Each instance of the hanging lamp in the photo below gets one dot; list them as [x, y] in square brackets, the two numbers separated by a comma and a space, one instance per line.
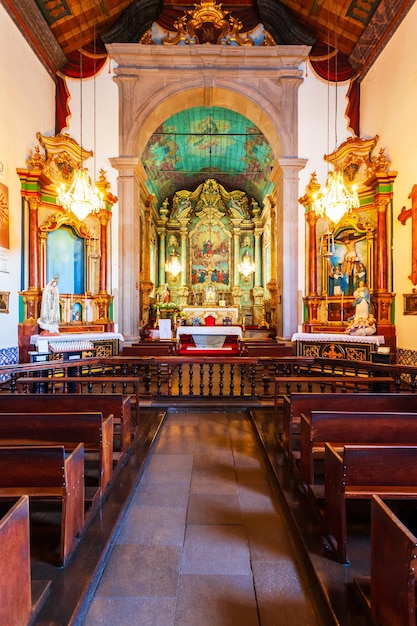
[81, 199]
[337, 199]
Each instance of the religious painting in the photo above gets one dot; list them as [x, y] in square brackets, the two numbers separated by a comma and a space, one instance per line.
[347, 267]
[65, 256]
[4, 216]
[210, 252]
[4, 301]
[410, 303]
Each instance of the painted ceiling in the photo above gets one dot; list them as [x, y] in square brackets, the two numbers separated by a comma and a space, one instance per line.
[201, 143]
[208, 142]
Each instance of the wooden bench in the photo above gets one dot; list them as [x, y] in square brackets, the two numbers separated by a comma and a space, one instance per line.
[116, 404]
[151, 347]
[360, 472]
[389, 593]
[298, 403]
[264, 347]
[67, 429]
[48, 473]
[16, 605]
[348, 427]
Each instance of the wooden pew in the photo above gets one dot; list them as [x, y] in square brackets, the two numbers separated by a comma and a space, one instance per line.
[151, 347]
[264, 347]
[348, 427]
[389, 593]
[67, 429]
[360, 472]
[15, 579]
[298, 403]
[48, 473]
[116, 404]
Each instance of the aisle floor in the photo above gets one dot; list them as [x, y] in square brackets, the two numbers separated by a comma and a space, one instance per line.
[203, 541]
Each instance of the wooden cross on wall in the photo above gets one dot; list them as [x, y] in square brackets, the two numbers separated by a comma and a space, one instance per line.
[403, 217]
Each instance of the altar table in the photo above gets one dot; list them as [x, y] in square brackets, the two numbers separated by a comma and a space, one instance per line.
[209, 337]
[105, 344]
[337, 345]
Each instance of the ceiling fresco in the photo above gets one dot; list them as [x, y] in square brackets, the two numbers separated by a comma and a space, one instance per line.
[208, 142]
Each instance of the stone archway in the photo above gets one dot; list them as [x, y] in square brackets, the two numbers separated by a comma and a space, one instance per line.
[261, 83]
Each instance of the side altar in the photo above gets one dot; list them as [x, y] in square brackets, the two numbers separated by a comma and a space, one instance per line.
[337, 345]
[103, 343]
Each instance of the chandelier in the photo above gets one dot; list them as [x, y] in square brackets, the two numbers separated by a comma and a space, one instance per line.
[247, 266]
[173, 266]
[337, 199]
[81, 199]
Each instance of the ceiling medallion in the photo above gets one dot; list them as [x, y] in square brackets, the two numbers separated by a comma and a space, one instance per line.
[208, 24]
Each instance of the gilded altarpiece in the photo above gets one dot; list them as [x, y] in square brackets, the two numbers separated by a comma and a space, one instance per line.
[210, 232]
[88, 307]
[357, 249]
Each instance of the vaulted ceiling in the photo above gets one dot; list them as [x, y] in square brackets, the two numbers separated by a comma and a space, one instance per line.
[212, 142]
[56, 28]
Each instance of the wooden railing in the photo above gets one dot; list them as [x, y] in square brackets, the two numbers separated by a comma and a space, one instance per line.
[190, 376]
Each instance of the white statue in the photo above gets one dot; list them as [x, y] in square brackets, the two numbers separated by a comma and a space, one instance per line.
[50, 313]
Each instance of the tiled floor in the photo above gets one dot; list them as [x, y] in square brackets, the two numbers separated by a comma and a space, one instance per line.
[204, 542]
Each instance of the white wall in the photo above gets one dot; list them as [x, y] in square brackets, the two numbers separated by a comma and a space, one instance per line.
[388, 109]
[27, 106]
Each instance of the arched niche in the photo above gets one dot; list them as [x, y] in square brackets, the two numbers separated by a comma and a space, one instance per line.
[261, 83]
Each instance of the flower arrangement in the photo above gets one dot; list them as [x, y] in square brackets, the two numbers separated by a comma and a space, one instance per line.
[361, 325]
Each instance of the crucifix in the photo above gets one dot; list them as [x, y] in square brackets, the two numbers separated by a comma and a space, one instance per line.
[403, 217]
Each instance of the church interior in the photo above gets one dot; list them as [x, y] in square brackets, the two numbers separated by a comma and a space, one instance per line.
[208, 180]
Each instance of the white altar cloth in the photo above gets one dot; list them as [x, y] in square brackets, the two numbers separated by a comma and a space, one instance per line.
[209, 337]
[67, 337]
[339, 338]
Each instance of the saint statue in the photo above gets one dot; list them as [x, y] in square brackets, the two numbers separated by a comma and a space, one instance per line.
[50, 313]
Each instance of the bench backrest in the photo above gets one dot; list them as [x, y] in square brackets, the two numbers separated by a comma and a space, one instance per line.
[393, 554]
[109, 403]
[15, 583]
[298, 403]
[68, 428]
[380, 465]
[343, 427]
[339, 427]
[35, 466]
[115, 403]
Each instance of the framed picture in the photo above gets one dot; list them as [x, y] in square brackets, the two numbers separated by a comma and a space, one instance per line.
[410, 304]
[4, 301]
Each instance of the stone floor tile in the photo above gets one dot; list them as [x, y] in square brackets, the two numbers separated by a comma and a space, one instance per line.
[210, 480]
[214, 509]
[141, 571]
[257, 499]
[267, 537]
[279, 592]
[168, 468]
[215, 550]
[216, 601]
[153, 525]
[131, 612]
[164, 494]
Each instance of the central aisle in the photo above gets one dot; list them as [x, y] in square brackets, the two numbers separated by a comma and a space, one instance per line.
[203, 542]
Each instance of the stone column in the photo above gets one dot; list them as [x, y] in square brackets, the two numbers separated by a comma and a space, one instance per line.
[129, 245]
[286, 180]
[33, 251]
[104, 220]
[184, 256]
